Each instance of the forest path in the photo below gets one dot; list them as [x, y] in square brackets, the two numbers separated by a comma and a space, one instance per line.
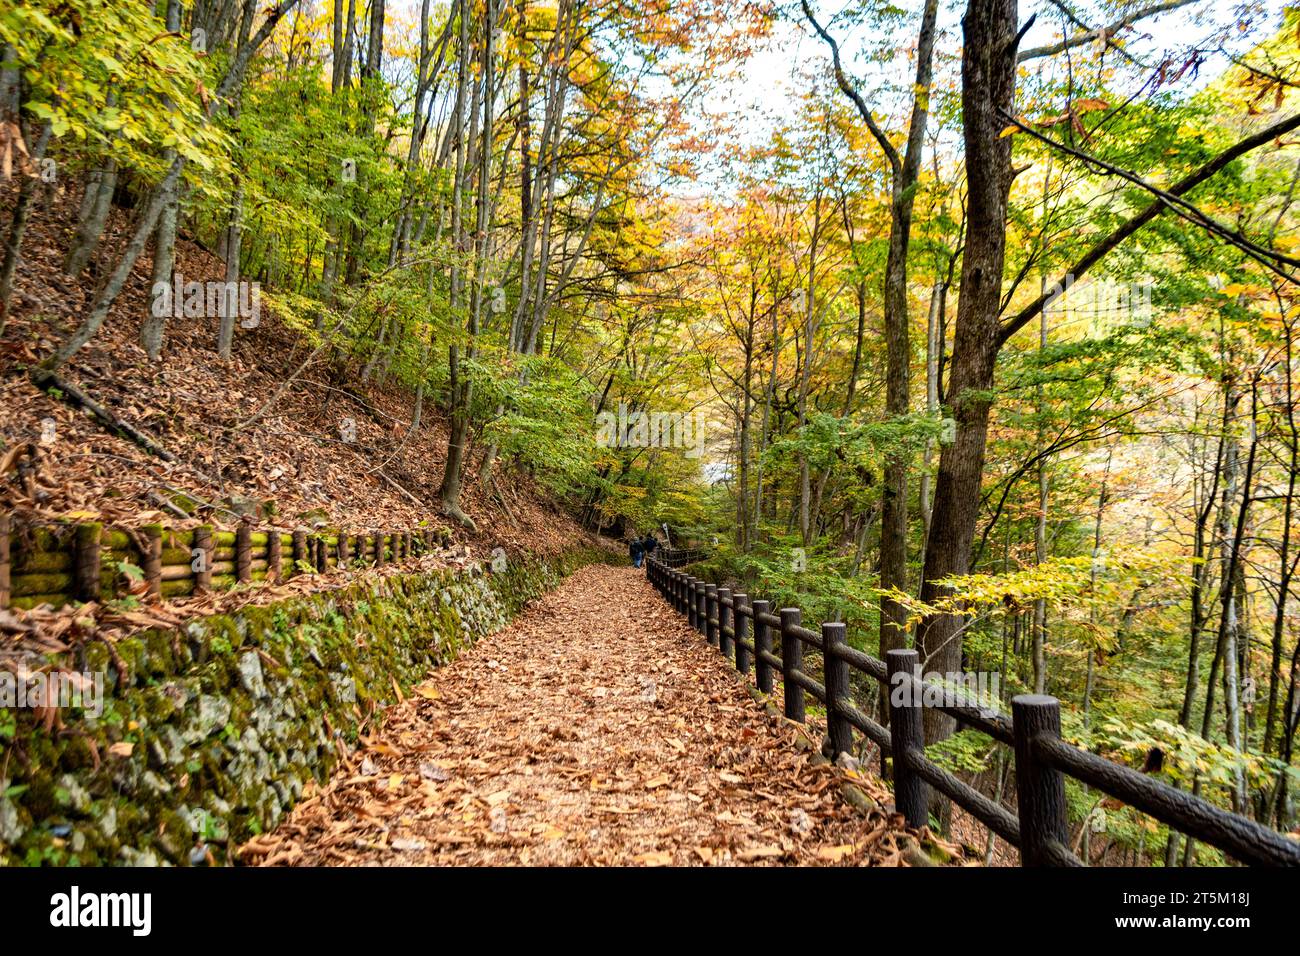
[597, 728]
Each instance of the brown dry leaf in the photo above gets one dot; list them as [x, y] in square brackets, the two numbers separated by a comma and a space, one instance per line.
[654, 858]
[834, 854]
[760, 853]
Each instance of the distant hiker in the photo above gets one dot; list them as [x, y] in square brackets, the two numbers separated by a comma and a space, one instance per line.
[650, 544]
[637, 550]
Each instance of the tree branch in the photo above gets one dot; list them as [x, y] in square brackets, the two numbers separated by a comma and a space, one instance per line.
[1150, 212]
[1110, 29]
[895, 162]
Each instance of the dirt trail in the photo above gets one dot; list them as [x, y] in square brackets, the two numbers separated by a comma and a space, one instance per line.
[598, 728]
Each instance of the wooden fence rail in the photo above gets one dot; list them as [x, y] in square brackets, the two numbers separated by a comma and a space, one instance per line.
[1038, 828]
[679, 557]
[89, 561]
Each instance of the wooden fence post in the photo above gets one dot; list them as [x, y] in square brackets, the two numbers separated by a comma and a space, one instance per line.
[835, 670]
[379, 548]
[152, 559]
[88, 565]
[1040, 790]
[243, 552]
[274, 554]
[6, 578]
[321, 552]
[725, 617]
[762, 645]
[791, 661]
[701, 608]
[711, 615]
[202, 543]
[300, 556]
[740, 619]
[688, 596]
[911, 793]
[345, 550]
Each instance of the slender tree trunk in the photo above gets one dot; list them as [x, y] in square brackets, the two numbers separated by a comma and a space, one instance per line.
[91, 228]
[18, 225]
[459, 385]
[154, 324]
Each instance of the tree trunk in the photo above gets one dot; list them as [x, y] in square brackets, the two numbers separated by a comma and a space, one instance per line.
[988, 85]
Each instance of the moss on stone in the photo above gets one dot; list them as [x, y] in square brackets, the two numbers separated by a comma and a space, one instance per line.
[254, 704]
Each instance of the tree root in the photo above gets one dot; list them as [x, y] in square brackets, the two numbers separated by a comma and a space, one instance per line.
[452, 511]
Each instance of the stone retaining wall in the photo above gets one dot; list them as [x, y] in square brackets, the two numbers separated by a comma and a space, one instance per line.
[209, 732]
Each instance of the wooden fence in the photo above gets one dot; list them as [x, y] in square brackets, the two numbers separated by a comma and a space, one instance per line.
[89, 561]
[745, 631]
[679, 557]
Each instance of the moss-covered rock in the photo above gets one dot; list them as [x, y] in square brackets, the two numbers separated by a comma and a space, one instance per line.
[209, 732]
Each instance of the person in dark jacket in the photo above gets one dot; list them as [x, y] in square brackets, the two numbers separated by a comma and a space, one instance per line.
[650, 544]
[637, 550]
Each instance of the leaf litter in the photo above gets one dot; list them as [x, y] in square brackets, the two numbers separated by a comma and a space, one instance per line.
[558, 755]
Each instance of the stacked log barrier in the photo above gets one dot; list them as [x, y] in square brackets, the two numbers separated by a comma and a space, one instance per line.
[86, 561]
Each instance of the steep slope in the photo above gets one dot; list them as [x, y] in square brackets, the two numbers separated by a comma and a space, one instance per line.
[292, 466]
